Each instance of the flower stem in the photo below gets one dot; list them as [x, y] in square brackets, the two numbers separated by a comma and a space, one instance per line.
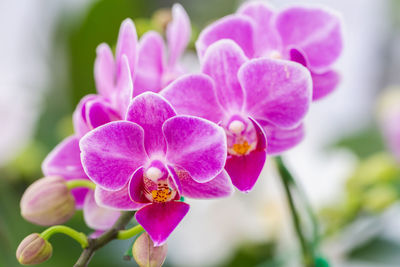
[107, 237]
[81, 238]
[287, 180]
[80, 183]
[126, 234]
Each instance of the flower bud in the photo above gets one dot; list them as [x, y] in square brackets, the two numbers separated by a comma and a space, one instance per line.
[34, 250]
[48, 201]
[146, 254]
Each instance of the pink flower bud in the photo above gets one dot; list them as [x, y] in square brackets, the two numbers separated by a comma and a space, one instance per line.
[48, 201]
[146, 254]
[34, 250]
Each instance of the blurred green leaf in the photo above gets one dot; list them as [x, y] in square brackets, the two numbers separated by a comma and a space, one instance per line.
[364, 143]
[378, 251]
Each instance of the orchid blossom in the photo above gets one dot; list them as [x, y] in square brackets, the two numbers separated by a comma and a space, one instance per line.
[307, 35]
[151, 159]
[260, 104]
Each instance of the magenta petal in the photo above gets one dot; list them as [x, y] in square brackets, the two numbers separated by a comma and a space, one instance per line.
[127, 41]
[174, 181]
[315, 31]
[160, 219]
[194, 94]
[81, 126]
[245, 170]
[220, 186]
[150, 63]
[64, 160]
[324, 84]
[136, 187]
[234, 27]
[222, 62]
[104, 70]
[96, 217]
[196, 145]
[277, 90]
[112, 152]
[79, 195]
[118, 200]
[280, 140]
[99, 112]
[124, 88]
[266, 37]
[178, 33]
[150, 111]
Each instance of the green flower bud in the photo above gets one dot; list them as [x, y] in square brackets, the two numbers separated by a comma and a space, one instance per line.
[146, 254]
[48, 201]
[33, 250]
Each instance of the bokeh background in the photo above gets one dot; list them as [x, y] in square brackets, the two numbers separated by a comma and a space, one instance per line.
[47, 50]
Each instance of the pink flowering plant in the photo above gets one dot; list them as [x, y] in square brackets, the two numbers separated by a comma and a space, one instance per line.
[155, 135]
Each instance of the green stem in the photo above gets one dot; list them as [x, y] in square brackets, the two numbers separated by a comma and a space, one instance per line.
[311, 214]
[81, 238]
[95, 244]
[80, 183]
[307, 252]
[126, 234]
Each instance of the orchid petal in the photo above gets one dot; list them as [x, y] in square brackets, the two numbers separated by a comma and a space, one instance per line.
[118, 200]
[178, 34]
[104, 70]
[150, 111]
[136, 187]
[277, 90]
[150, 63]
[245, 170]
[160, 219]
[124, 88]
[324, 84]
[196, 145]
[266, 37]
[315, 31]
[220, 186]
[222, 62]
[112, 152]
[81, 126]
[194, 94]
[79, 195]
[64, 160]
[280, 140]
[96, 217]
[234, 27]
[127, 41]
[99, 112]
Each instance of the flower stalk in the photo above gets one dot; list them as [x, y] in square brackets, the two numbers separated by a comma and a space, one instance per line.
[81, 238]
[107, 237]
[126, 234]
[307, 248]
[80, 183]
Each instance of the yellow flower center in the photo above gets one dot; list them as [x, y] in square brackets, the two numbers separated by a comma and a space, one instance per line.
[242, 148]
[162, 194]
